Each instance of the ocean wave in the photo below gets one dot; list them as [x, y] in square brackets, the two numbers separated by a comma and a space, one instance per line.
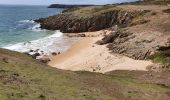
[36, 27]
[30, 24]
[45, 45]
[26, 21]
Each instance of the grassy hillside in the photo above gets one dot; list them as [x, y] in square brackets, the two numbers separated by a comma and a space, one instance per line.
[150, 2]
[22, 78]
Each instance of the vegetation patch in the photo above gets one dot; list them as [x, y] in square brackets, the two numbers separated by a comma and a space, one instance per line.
[166, 10]
[25, 78]
[158, 58]
[139, 21]
[149, 2]
[94, 10]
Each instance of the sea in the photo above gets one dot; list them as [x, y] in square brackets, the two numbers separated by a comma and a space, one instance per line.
[19, 32]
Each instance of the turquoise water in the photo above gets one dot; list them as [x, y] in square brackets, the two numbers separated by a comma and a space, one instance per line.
[16, 23]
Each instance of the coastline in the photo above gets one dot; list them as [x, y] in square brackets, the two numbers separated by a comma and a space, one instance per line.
[88, 56]
[85, 55]
[113, 51]
[50, 48]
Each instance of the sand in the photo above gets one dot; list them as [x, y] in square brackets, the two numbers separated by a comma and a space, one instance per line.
[85, 55]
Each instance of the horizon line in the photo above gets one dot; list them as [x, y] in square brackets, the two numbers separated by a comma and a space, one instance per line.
[25, 4]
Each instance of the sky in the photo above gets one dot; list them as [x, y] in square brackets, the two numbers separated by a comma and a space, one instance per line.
[47, 2]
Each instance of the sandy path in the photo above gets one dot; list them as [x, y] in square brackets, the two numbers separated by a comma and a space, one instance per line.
[87, 56]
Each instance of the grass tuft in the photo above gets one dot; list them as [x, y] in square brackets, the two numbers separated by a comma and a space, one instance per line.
[158, 58]
[166, 10]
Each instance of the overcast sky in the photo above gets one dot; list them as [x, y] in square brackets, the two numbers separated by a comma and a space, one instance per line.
[47, 2]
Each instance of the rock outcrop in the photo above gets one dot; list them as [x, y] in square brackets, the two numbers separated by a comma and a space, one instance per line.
[129, 44]
[145, 28]
[88, 19]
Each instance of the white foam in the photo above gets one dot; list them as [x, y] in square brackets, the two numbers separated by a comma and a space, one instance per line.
[36, 27]
[46, 44]
[27, 21]
[33, 25]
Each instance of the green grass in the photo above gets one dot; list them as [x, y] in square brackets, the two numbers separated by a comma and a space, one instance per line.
[158, 58]
[132, 82]
[22, 78]
[90, 10]
[102, 8]
[95, 10]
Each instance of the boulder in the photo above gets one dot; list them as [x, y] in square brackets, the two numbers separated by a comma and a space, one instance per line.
[81, 35]
[54, 53]
[108, 38]
[44, 60]
[35, 55]
[31, 51]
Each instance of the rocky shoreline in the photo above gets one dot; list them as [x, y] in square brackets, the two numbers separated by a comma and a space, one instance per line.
[135, 31]
[39, 55]
[89, 19]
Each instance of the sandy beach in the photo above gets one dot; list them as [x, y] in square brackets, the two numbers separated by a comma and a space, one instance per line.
[85, 55]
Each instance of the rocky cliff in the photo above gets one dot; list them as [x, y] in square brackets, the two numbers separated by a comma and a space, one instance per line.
[88, 19]
[145, 37]
[143, 28]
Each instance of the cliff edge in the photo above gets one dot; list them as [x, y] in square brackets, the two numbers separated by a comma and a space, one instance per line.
[86, 19]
